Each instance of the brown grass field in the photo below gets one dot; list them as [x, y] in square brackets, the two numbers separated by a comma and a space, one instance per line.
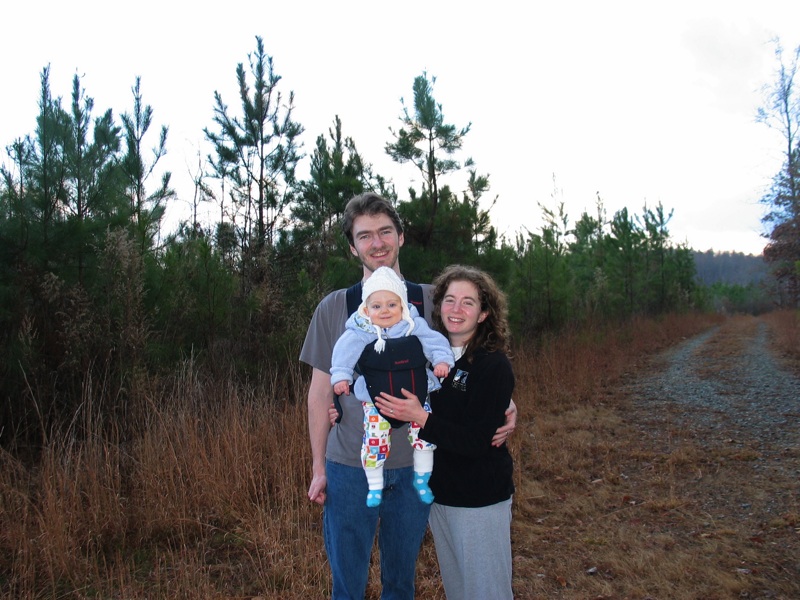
[209, 500]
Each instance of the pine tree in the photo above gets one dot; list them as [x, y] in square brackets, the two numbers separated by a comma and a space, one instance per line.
[92, 192]
[45, 171]
[337, 173]
[625, 257]
[427, 142]
[587, 262]
[654, 227]
[147, 209]
[258, 151]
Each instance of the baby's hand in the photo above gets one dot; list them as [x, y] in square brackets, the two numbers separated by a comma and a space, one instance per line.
[441, 370]
[341, 388]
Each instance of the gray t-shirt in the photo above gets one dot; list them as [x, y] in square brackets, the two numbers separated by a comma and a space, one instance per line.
[344, 440]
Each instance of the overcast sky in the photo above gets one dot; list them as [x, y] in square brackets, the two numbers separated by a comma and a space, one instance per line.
[638, 102]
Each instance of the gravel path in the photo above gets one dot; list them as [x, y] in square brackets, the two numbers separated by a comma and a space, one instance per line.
[726, 411]
[737, 393]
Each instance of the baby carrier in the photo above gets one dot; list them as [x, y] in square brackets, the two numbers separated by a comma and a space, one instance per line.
[402, 364]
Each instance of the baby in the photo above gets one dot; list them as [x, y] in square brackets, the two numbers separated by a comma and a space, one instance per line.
[391, 344]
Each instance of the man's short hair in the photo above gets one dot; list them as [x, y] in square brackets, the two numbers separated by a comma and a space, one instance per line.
[370, 204]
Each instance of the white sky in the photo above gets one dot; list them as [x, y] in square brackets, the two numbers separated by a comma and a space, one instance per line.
[641, 102]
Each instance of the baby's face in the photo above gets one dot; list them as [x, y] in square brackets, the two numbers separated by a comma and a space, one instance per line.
[384, 308]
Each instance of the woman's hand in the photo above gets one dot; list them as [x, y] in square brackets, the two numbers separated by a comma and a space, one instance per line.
[502, 433]
[407, 408]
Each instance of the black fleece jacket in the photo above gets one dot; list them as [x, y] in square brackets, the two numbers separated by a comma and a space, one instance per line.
[467, 470]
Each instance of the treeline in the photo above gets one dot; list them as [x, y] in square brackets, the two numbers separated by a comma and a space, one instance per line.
[97, 301]
[730, 267]
[735, 282]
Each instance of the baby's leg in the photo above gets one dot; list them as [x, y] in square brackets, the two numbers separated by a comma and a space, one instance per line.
[374, 451]
[423, 461]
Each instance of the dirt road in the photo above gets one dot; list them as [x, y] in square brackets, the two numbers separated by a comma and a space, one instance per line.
[728, 385]
[726, 411]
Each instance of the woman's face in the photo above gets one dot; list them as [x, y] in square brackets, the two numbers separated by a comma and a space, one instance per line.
[461, 311]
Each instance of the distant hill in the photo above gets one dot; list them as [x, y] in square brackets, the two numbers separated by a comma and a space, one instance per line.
[734, 268]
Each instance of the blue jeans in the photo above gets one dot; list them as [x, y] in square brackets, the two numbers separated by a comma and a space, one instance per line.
[350, 527]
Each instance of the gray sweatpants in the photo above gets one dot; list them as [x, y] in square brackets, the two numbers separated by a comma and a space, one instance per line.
[473, 546]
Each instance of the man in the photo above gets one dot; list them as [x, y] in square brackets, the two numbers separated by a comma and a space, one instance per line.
[375, 235]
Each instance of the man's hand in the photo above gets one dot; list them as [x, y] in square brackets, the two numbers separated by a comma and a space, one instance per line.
[316, 491]
[320, 397]
[333, 414]
[502, 433]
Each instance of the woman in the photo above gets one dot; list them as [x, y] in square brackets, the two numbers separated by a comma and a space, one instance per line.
[472, 478]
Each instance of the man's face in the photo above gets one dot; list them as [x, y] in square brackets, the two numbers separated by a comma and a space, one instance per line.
[376, 242]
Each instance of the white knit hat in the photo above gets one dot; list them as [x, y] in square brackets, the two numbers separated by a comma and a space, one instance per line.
[385, 279]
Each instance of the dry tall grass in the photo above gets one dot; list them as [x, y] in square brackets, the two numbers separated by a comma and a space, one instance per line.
[785, 327]
[209, 501]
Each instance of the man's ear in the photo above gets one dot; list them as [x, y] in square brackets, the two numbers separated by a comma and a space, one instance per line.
[401, 239]
[353, 250]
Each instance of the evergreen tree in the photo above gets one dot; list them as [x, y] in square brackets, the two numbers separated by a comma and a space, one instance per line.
[654, 227]
[147, 210]
[258, 152]
[484, 235]
[625, 257]
[549, 248]
[91, 190]
[45, 171]
[15, 216]
[195, 298]
[587, 263]
[542, 288]
[255, 156]
[427, 142]
[681, 276]
[451, 235]
[338, 172]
